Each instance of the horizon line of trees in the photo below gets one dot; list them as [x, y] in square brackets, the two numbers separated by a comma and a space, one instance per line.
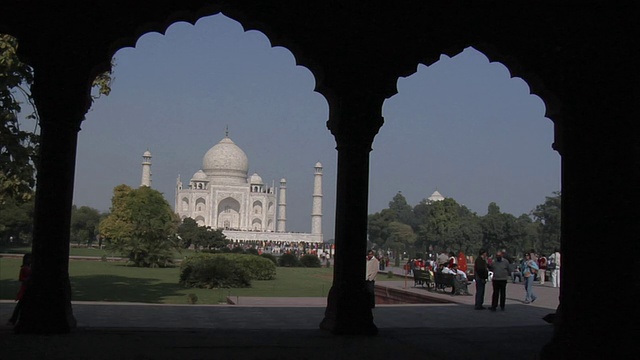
[446, 225]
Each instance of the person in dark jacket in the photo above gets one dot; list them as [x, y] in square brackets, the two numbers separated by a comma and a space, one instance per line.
[481, 275]
[500, 268]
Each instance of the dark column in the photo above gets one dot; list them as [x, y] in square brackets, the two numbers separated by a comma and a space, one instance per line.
[354, 121]
[600, 233]
[62, 98]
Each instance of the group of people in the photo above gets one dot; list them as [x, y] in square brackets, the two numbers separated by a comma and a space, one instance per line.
[446, 264]
[502, 269]
[551, 264]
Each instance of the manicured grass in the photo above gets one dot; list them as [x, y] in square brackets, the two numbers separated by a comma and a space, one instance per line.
[79, 251]
[114, 281]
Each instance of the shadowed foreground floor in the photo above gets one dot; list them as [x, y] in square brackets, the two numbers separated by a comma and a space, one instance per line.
[143, 331]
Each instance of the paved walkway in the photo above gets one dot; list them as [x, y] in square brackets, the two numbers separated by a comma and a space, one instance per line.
[287, 328]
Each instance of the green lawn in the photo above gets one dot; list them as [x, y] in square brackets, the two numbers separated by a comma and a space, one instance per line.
[75, 251]
[113, 281]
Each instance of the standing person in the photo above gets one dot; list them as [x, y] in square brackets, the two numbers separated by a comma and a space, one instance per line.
[23, 277]
[529, 269]
[542, 265]
[554, 266]
[481, 272]
[370, 277]
[500, 268]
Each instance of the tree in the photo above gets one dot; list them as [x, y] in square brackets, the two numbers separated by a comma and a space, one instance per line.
[447, 225]
[548, 216]
[401, 210]
[16, 221]
[401, 236]
[19, 148]
[84, 224]
[378, 227]
[141, 226]
[201, 237]
[502, 230]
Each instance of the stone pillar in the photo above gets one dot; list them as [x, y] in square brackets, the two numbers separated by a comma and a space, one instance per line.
[282, 207]
[62, 98]
[354, 121]
[316, 211]
[600, 230]
[146, 169]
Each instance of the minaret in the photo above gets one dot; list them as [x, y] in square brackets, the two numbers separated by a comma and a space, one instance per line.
[146, 169]
[282, 206]
[316, 213]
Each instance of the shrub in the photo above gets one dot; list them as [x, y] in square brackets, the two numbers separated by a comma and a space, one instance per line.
[288, 260]
[310, 260]
[251, 251]
[192, 298]
[237, 250]
[257, 267]
[390, 274]
[270, 257]
[225, 270]
[213, 271]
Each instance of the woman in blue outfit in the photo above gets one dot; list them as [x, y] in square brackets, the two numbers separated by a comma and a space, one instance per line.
[529, 269]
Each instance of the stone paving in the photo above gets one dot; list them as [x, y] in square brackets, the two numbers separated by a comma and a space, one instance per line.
[287, 328]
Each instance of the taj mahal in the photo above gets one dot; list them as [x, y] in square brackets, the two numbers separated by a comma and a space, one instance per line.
[222, 195]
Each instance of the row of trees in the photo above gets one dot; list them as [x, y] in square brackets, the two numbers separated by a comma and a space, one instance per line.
[442, 226]
[140, 226]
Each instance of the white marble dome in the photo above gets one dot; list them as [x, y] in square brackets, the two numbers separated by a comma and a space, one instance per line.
[199, 176]
[256, 179]
[226, 163]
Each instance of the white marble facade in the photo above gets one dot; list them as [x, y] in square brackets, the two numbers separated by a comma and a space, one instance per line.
[222, 196]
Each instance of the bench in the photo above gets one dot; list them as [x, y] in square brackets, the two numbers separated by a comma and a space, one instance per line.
[422, 278]
[443, 281]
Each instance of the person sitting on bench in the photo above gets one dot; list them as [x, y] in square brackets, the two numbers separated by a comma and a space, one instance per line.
[460, 283]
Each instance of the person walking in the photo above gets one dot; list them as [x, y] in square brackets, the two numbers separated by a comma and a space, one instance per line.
[23, 277]
[500, 269]
[370, 277]
[554, 266]
[481, 272]
[542, 265]
[529, 269]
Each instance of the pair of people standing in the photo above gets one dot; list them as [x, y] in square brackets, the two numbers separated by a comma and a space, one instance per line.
[500, 269]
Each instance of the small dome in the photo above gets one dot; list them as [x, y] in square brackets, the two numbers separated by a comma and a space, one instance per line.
[226, 163]
[436, 196]
[147, 153]
[283, 181]
[199, 176]
[318, 164]
[255, 179]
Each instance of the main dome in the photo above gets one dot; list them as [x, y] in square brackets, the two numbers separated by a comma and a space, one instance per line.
[225, 162]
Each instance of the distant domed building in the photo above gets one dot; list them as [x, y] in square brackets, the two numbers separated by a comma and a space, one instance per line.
[222, 195]
[436, 196]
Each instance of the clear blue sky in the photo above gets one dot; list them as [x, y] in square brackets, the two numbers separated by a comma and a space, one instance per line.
[461, 126]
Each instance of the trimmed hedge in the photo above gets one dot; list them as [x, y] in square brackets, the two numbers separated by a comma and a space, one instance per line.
[270, 257]
[288, 260]
[310, 260]
[224, 270]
